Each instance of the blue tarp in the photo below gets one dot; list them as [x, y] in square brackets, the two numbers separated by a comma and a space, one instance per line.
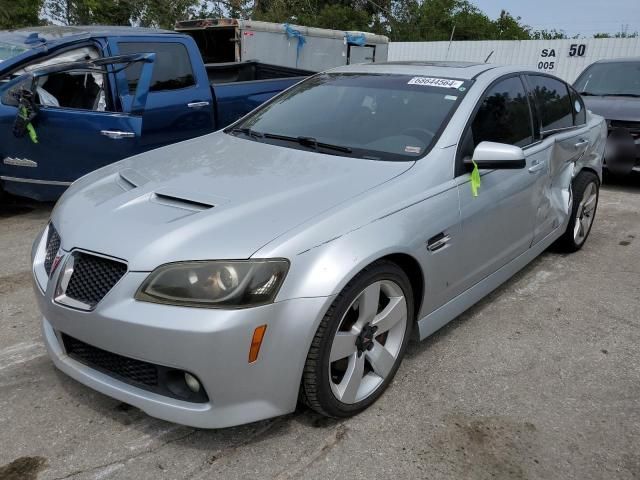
[294, 33]
[355, 39]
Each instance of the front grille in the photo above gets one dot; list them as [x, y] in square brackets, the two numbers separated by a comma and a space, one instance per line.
[93, 277]
[632, 126]
[133, 371]
[53, 245]
[147, 376]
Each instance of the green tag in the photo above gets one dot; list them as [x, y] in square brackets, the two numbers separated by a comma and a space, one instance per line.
[475, 179]
[32, 131]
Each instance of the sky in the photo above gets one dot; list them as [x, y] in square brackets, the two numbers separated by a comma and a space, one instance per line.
[584, 17]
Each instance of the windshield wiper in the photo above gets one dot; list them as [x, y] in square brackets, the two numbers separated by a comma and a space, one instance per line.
[589, 94]
[247, 131]
[308, 142]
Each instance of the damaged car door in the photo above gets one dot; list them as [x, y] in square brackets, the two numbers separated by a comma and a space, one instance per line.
[69, 101]
[564, 139]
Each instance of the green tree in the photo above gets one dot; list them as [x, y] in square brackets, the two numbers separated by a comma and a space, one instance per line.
[548, 35]
[510, 28]
[433, 20]
[19, 13]
[148, 13]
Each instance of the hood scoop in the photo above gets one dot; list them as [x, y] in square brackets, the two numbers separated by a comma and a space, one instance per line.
[130, 179]
[177, 202]
[192, 201]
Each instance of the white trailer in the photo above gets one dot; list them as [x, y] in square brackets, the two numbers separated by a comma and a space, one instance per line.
[227, 40]
[564, 58]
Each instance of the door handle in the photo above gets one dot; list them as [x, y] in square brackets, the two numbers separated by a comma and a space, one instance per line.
[536, 167]
[437, 242]
[197, 104]
[581, 143]
[117, 134]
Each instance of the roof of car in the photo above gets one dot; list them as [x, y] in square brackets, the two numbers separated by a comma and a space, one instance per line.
[461, 70]
[34, 36]
[620, 60]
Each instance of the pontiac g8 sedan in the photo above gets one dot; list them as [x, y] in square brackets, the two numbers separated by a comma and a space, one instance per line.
[290, 257]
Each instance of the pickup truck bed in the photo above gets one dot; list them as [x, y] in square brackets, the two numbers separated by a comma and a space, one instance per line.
[238, 88]
[250, 71]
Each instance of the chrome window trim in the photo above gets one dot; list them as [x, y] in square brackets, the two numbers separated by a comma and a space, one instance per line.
[36, 181]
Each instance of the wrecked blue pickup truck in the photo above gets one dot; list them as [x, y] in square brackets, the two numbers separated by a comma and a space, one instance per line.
[73, 99]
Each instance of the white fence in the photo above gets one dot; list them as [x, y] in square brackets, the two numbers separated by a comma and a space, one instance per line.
[564, 58]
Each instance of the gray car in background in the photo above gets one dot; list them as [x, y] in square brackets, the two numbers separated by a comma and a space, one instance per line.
[217, 281]
[611, 88]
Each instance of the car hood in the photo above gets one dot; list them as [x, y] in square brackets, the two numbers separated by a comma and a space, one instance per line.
[615, 108]
[215, 197]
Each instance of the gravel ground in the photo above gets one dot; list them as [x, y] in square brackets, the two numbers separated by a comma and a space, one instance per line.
[539, 380]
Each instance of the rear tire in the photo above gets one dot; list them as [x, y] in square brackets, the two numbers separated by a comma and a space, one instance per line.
[586, 192]
[360, 342]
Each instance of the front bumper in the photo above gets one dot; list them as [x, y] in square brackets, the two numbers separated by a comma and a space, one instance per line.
[212, 344]
[632, 130]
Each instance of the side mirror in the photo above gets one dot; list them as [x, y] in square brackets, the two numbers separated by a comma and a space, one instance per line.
[27, 111]
[497, 156]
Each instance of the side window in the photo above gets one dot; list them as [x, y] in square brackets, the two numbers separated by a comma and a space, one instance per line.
[79, 90]
[554, 104]
[504, 115]
[579, 110]
[171, 70]
[67, 89]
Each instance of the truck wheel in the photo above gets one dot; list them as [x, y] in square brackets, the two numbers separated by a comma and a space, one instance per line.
[586, 191]
[360, 342]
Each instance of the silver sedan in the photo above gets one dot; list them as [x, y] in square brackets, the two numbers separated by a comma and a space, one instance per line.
[218, 281]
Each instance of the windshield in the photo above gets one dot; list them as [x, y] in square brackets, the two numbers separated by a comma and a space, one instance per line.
[379, 117]
[610, 79]
[8, 50]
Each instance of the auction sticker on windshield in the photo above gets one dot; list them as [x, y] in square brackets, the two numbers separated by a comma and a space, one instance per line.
[435, 82]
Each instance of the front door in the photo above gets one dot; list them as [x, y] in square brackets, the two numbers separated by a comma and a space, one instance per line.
[74, 132]
[497, 225]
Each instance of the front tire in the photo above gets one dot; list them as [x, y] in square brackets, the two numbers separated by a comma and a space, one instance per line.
[360, 342]
[586, 191]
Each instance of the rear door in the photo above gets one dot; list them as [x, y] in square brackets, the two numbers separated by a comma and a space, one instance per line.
[561, 121]
[76, 130]
[179, 105]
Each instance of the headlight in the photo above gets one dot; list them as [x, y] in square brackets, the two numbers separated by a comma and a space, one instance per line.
[221, 284]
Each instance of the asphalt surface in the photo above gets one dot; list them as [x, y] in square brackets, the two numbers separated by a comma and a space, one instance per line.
[539, 380]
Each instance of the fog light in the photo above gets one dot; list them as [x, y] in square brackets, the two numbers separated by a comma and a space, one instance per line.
[192, 382]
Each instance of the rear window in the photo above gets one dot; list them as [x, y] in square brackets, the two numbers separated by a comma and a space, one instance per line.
[171, 70]
[375, 116]
[554, 104]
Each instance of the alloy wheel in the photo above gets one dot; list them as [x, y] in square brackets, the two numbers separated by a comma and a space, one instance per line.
[585, 213]
[368, 341]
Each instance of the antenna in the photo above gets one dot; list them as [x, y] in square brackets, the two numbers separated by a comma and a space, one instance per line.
[453, 30]
[487, 59]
